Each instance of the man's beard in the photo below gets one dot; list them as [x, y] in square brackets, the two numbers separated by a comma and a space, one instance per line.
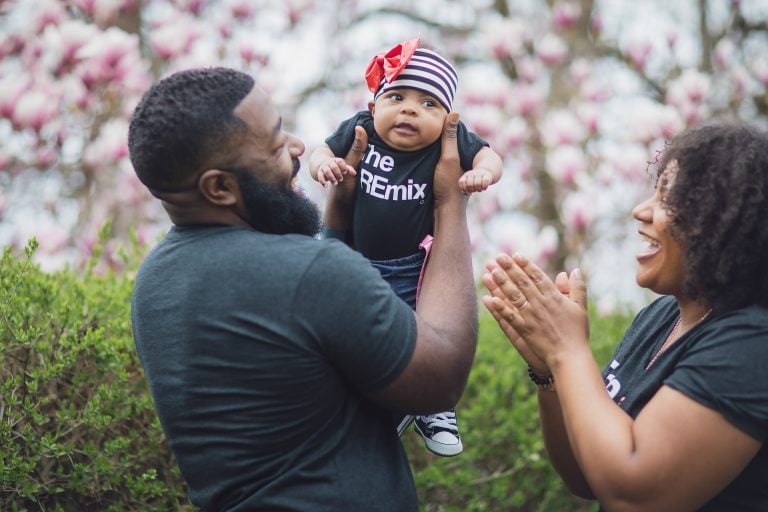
[278, 211]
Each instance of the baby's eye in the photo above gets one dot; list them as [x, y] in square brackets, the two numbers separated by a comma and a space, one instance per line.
[396, 96]
[429, 103]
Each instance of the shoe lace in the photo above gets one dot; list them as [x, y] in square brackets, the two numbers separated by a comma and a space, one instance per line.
[446, 420]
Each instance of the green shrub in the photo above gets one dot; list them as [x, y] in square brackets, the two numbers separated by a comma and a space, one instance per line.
[504, 466]
[79, 432]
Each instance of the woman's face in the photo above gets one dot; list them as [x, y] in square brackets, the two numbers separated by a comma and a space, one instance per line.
[661, 264]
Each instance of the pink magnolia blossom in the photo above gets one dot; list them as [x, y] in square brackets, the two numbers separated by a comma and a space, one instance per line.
[689, 91]
[174, 38]
[242, 9]
[671, 38]
[486, 207]
[12, 87]
[132, 192]
[527, 100]
[566, 163]
[652, 121]
[723, 53]
[63, 41]
[638, 52]
[551, 50]
[565, 14]
[194, 7]
[626, 161]
[296, 9]
[759, 67]
[562, 127]
[34, 109]
[11, 44]
[514, 133]
[109, 147]
[5, 160]
[596, 25]
[589, 116]
[506, 38]
[52, 238]
[579, 211]
[529, 69]
[45, 158]
[102, 57]
[48, 13]
[250, 54]
[104, 12]
[739, 79]
[579, 70]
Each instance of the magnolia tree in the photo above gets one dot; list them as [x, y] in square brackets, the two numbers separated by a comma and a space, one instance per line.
[577, 97]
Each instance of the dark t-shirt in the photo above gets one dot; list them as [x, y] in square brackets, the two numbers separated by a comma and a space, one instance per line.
[258, 350]
[394, 201]
[722, 363]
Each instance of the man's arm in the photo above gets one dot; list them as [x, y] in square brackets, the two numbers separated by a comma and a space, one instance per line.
[446, 315]
[337, 216]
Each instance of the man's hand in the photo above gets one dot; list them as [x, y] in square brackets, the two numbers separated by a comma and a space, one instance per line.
[448, 170]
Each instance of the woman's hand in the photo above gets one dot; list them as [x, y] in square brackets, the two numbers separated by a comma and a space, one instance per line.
[542, 319]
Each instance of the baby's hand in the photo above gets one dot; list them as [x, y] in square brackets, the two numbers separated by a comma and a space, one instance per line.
[333, 171]
[475, 180]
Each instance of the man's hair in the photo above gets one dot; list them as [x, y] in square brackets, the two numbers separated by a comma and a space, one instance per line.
[718, 205]
[185, 123]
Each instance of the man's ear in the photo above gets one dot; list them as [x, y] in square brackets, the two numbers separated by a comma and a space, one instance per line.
[219, 187]
[371, 107]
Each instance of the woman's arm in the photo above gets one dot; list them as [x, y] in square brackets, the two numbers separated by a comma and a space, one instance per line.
[676, 455]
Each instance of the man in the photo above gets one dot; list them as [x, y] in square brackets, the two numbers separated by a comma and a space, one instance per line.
[276, 360]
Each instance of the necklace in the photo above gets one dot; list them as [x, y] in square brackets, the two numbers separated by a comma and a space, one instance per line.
[671, 336]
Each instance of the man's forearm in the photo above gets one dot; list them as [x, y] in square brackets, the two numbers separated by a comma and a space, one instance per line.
[447, 300]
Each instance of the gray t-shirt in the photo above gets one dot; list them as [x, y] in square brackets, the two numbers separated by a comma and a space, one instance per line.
[258, 350]
[721, 363]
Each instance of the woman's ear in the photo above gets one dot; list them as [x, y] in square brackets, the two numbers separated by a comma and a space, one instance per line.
[219, 187]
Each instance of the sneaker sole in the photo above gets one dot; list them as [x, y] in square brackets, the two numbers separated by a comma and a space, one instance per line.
[404, 424]
[443, 450]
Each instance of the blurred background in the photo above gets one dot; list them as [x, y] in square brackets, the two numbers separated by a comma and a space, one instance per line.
[578, 96]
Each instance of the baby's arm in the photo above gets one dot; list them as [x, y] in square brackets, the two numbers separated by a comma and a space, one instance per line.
[486, 170]
[325, 167]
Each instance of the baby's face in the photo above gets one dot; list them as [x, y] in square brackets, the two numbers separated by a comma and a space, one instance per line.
[407, 119]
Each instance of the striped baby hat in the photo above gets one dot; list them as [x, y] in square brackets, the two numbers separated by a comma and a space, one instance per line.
[408, 66]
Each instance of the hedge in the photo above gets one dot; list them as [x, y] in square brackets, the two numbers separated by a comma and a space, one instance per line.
[78, 430]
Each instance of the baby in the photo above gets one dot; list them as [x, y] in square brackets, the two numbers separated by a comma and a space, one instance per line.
[391, 218]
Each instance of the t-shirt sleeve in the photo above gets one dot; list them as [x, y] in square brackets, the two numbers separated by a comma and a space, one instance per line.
[358, 323]
[469, 145]
[726, 370]
[341, 140]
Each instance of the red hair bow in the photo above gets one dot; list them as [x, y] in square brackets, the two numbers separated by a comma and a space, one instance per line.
[389, 64]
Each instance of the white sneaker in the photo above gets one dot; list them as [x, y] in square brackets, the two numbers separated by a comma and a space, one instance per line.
[441, 433]
[404, 424]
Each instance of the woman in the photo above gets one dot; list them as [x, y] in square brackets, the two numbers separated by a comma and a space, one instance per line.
[684, 422]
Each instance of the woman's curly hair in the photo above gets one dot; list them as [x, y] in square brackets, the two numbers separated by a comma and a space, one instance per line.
[719, 207]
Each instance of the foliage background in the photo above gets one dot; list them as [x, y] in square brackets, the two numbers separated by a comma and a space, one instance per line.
[78, 429]
[576, 95]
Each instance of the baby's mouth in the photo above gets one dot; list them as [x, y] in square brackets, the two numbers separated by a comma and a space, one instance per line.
[406, 127]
